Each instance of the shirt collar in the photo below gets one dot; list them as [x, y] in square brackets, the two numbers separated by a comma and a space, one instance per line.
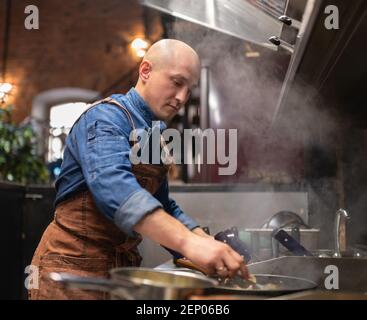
[143, 108]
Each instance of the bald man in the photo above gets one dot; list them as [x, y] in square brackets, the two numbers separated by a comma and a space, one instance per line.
[105, 204]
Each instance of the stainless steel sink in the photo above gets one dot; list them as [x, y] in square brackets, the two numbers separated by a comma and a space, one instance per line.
[352, 272]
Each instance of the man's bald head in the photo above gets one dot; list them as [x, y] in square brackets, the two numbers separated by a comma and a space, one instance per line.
[165, 52]
[169, 71]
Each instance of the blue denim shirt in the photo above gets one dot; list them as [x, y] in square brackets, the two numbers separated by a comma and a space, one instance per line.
[96, 157]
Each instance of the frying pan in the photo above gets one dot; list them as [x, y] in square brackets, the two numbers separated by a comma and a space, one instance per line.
[266, 284]
[140, 283]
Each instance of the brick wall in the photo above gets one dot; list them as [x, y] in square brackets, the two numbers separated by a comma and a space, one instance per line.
[80, 43]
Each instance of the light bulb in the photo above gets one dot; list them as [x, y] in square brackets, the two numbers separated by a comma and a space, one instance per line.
[139, 44]
[5, 87]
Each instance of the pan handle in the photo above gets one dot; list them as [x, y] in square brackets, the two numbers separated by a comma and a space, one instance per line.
[290, 243]
[92, 283]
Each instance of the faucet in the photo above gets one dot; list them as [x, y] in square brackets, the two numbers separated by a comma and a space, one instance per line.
[340, 232]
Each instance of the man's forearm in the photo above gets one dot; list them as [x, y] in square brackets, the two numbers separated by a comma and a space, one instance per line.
[164, 229]
[200, 232]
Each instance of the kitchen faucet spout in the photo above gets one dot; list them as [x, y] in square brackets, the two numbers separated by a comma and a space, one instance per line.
[340, 232]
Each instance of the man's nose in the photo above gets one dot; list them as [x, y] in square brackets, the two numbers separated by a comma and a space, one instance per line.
[182, 96]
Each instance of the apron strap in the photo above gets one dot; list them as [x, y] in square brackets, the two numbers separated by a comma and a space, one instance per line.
[168, 158]
[115, 102]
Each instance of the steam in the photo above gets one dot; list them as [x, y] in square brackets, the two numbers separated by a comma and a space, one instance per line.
[306, 131]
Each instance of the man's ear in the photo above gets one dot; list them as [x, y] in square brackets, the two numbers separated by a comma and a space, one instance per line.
[145, 69]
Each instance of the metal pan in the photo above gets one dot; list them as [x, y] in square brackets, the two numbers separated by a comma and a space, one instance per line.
[140, 283]
[266, 284]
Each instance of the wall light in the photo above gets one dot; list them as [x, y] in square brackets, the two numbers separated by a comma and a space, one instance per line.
[139, 46]
[5, 89]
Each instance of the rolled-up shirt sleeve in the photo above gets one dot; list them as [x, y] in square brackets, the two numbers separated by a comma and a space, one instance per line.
[173, 208]
[103, 148]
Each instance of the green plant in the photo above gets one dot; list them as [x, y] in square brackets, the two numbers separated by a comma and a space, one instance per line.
[19, 161]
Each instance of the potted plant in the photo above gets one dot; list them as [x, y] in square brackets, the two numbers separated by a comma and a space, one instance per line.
[19, 161]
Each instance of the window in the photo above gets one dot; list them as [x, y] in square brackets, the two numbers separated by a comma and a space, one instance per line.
[62, 118]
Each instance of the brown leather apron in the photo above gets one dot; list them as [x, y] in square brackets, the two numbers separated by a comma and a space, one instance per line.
[80, 240]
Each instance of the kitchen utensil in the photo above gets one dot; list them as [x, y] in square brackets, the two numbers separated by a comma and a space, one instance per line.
[140, 283]
[290, 243]
[283, 219]
[231, 237]
[266, 284]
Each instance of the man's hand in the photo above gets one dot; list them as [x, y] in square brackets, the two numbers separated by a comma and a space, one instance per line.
[214, 256]
[242, 270]
[203, 250]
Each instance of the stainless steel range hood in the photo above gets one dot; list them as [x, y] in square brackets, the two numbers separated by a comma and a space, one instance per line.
[250, 20]
[328, 66]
